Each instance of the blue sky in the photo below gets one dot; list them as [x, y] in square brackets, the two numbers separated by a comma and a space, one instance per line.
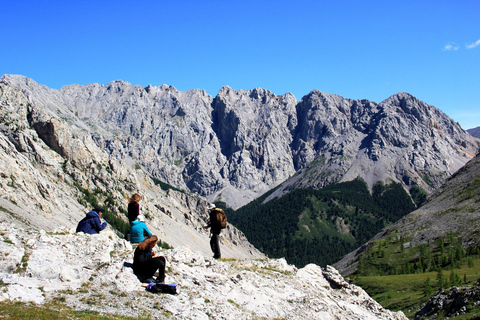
[356, 49]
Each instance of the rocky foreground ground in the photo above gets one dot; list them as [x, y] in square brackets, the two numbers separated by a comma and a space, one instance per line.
[89, 272]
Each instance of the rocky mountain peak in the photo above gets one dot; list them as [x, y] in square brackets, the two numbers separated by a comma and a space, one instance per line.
[53, 169]
[63, 151]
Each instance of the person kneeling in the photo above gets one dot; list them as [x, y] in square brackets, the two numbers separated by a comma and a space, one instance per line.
[146, 262]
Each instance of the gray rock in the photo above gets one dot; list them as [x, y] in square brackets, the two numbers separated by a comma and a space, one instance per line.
[93, 272]
[475, 132]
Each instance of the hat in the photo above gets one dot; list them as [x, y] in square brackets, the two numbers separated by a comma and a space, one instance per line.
[211, 206]
[98, 210]
[141, 217]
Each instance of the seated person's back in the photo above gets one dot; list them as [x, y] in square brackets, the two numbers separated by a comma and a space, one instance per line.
[138, 230]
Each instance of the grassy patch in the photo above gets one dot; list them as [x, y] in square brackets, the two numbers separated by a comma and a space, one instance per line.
[24, 263]
[471, 191]
[19, 310]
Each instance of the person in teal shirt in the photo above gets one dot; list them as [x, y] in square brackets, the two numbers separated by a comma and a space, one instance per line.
[139, 230]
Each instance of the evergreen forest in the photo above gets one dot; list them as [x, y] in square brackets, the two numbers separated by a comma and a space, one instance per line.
[320, 226]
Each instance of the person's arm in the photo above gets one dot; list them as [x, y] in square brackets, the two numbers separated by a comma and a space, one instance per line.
[98, 225]
[209, 225]
[146, 231]
[144, 256]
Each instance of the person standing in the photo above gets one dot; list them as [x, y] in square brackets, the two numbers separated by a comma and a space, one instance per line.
[133, 211]
[215, 229]
[146, 261]
[91, 224]
[133, 207]
[139, 230]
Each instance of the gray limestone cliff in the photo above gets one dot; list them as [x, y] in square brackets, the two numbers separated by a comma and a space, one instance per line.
[242, 143]
[475, 132]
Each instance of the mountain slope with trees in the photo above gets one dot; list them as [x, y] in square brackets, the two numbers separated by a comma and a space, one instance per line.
[438, 245]
[320, 226]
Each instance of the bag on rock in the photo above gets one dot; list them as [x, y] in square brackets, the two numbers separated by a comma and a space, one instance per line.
[162, 288]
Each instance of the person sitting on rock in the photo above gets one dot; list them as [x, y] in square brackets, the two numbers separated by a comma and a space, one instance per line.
[91, 224]
[146, 261]
[139, 230]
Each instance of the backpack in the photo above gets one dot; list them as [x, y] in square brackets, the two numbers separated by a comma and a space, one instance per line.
[162, 288]
[221, 218]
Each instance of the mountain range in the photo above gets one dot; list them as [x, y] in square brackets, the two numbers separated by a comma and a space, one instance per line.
[240, 144]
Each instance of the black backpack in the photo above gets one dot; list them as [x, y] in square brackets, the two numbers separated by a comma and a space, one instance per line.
[162, 288]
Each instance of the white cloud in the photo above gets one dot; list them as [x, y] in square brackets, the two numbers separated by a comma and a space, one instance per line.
[451, 47]
[473, 45]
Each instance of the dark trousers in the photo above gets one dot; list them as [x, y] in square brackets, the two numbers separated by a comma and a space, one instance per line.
[148, 269]
[215, 245]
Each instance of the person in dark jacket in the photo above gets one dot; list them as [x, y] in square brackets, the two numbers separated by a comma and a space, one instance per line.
[215, 229]
[91, 224]
[146, 262]
[133, 207]
[139, 230]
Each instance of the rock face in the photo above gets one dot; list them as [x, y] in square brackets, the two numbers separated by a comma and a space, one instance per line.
[93, 272]
[54, 164]
[238, 145]
[451, 208]
[401, 139]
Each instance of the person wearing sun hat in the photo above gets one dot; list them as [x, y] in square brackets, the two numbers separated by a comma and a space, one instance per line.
[139, 230]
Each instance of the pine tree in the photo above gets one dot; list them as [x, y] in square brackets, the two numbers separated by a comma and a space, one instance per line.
[440, 279]
[427, 288]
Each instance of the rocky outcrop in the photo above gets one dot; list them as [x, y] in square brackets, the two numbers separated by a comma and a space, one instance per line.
[400, 139]
[242, 143]
[93, 272]
[454, 302]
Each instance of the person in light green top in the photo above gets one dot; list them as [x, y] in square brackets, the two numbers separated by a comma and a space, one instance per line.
[139, 230]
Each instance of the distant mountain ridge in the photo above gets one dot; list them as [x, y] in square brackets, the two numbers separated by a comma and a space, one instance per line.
[240, 144]
[475, 132]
